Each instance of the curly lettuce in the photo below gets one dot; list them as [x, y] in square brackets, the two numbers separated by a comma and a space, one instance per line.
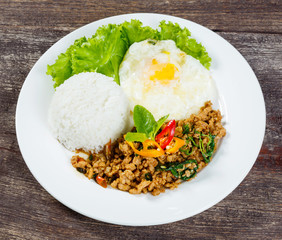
[135, 32]
[104, 51]
[62, 68]
[183, 41]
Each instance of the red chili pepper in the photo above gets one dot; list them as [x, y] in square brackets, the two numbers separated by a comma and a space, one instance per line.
[166, 135]
[101, 181]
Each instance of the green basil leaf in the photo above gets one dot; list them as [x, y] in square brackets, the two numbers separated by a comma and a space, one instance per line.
[135, 137]
[174, 166]
[186, 129]
[144, 121]
[160, 122]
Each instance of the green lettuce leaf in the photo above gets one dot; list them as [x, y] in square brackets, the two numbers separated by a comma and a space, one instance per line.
[102, 53]
[173, 32]
[183, 41]
[196, 50]
[135, 32]
[62, 68]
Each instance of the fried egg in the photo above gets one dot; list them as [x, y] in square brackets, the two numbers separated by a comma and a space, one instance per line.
[165, 80]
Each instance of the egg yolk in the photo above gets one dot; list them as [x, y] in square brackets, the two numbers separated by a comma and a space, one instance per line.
[163, 72]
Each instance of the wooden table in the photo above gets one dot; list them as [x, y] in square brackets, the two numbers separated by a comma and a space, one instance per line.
[28, 28]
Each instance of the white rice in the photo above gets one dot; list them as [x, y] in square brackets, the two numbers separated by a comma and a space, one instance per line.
[88, 110]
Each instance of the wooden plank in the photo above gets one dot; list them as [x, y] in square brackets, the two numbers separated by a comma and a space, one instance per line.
[224, 15]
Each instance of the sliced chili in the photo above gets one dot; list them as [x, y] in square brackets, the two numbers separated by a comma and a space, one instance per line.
[166, 135]
[101, 181]
[150, 149]
[177, 143]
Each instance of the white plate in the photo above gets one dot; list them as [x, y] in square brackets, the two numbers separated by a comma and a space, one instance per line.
[242, 105]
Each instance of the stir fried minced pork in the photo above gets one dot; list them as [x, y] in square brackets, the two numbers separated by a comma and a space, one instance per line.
[124, 170]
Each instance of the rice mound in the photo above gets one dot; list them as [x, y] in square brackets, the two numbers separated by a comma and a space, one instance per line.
[88, 110]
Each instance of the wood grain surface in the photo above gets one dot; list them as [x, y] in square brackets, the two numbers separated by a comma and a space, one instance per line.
[252, 211]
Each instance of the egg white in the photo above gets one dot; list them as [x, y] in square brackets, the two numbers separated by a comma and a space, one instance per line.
[165, 80]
